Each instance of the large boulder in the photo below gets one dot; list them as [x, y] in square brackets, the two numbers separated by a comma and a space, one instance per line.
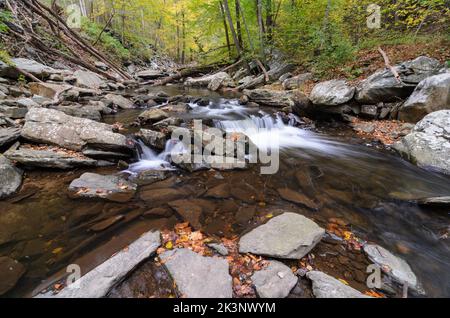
[37, 69]
[269, 97]
[382, 86]
[428, 145]
[108, 187]
[325, 286]
[99, 281]
[10, 177]
[287, 236]
[432, 94]
[54, 127]
[88, 79]
[274, 281]
[196, 276]
[332, 93]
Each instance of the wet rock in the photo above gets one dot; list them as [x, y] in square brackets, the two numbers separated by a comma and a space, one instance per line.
[274, 281]
[108, 187]
[37, 69]
[221, 191]
[152, 116]
[288, 235]
[332, 93]
[149, 176]
[54, 127]
[270, 97]
[428, 145]
[395, 267]
[103, 225]
[382, 86]
[10, 178]
[10, 273]
[152, 138]
[196, 276]
[161, 195]
[99, 281]
[296, 81]
[325, 286]
[88, 79]
[432, 94]
[189, 211]
[296, 197]
[219, 248]
[118, 101]
[103, 154]
[51, 158]
[9, 135]
[158, 212]
[435, 201]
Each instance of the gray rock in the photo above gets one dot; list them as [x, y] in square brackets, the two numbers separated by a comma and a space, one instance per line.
[428, 144]
[288, 236]
[9, 135]
[49, 159]
[213, 82]
[101, 66]
[88, 79]
[99, 281]
[10, 273]
[150, 74]
[119, 101]
[108, 187]
[219, 248]
[382, 86]
[432, 94]
[277, 68]
[37, 69]
[54, 127]
[47, 90]
[395, 267]
[196, 276]
[275, 281]
[271, 97]
[325, 286]
[10, 178]
[332, 93]
[370, 111]
[11, 109]
[81, 111]
[152, 115]
[152, 138]
[296, 81]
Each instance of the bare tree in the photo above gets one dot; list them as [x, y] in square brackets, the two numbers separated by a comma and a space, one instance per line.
[233, 31]
[225, 26]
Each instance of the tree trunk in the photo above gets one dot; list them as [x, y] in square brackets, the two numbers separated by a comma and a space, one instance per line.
[183, 33]
[238, 23]
[227, 36]
[246, 26]
[261, 29]
[233, 31]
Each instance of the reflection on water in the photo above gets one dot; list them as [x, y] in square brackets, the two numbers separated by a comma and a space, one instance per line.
[365, 187]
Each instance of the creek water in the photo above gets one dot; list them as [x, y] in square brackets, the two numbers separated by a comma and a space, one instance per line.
[371, 189]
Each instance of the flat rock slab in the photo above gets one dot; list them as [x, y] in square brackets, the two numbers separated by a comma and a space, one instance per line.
[395, 267]
[10, 177]
[325, 286]
[332, 93]
[10, 272]
[219, 248]
[9, 135]
[189, 211]
[197, 276]
[287, 236]
[109, 187]
[99, 281]
[274, 281]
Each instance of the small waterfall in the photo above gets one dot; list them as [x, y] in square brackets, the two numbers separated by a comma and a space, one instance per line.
[150, 160]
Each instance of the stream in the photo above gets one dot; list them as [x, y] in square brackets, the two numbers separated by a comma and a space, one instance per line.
[346, 177]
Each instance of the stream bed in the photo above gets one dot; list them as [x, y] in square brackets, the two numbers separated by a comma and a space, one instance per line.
[369, 189]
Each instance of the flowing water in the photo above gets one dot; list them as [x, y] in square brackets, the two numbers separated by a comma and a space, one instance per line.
[368, 188]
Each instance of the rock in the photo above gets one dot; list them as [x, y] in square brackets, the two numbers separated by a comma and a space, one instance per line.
[119, 101]
[10, 178]
[150, 74]
[243, 100]
[47, 90]
[296, 81]
[13, 110]
[189, 211]
[57, 77]
[332, 93]
[9, 135]
[196, 276]
[222, 191]
[382, 86]
[432, 94]
[275, 281]
[370, 111]
[51, 158]
[152, 138]
[88, 79]
[364, 127]
[270, 97]
[107, 223]
[103, 154]
[149, 176]
[285, 76]
[152, 115]
[161, 195]
[435, 201]
[277, 69]
[54, 127]
[325, 286]
[99, 281]
[428, 145]
[109, 187]
[10, 273]
[296, 197]
[289, 236]
[393, 266]
[213, 82]
[101, 66]
[37, 69]
[219, 248]
[81, 111]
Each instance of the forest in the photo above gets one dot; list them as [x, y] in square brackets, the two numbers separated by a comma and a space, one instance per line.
[251, 149]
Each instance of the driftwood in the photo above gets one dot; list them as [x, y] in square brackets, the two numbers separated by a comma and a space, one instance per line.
[389, 66]
[263, 69]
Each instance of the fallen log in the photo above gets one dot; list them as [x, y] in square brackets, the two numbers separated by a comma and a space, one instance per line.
[185, 73]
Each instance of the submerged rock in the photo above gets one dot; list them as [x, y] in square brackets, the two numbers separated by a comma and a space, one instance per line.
[325, 286]
[296, 197]
[109, 187]
[432, 94]
[428, 145]
[395, 267]
[99, 281]
[196, 276]
[275, 281]
[10, 178]
[332, 93]
[289, 236]
[10, 273]
[189, 211]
